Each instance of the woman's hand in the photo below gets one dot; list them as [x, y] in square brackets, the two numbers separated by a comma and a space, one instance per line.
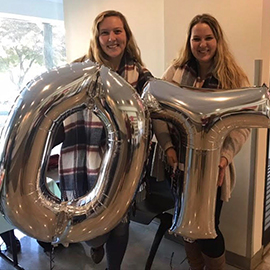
[222, 166]
[171, 156]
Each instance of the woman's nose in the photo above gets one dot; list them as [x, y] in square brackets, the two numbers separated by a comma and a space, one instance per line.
[111, 36]
[202, 43]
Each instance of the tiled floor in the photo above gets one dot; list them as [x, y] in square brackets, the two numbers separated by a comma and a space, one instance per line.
[265, 265]
[76, 256]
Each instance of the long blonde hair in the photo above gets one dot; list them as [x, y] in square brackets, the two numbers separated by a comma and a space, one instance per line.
[225, 69]
[95, 52]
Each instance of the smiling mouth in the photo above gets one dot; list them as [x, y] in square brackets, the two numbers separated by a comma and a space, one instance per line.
[113, 46]
[204, 52]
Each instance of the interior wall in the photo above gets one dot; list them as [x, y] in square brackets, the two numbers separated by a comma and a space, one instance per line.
[145, 19]
[241, 22]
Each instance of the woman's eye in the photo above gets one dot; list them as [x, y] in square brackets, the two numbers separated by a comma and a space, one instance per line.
[209, 38]
[117, 32]
[196, 39]
[104, 33]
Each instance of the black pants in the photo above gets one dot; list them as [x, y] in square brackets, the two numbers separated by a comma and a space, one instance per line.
[214, 248]
[116, 243]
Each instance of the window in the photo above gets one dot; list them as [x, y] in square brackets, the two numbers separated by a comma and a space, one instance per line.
[29, 46]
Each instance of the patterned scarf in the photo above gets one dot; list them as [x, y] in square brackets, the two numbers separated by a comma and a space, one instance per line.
[191, 73]
[189, 78]
[134, 73]
[81, 152]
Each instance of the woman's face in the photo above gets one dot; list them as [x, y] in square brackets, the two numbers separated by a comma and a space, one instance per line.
[112, 37]
[203, 43]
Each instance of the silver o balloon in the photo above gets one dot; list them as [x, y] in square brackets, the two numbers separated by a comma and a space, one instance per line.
[204, 118]
[27, 140]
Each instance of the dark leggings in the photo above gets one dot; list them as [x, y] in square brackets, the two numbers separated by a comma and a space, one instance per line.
[116, 246]
[214, 248]
[116, 243]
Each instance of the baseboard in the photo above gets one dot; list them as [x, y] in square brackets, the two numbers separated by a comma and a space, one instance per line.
[243, 262]
[266, 249]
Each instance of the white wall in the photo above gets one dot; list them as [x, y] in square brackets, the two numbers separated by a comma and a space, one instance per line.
[241, 21]
[145, 19]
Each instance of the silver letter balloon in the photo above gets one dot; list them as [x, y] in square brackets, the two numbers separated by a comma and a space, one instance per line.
[203, 118]
[27, 140]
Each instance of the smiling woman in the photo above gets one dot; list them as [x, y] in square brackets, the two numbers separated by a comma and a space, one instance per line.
[203, 46]
[113, 39]
[114, 46]
[206, 62]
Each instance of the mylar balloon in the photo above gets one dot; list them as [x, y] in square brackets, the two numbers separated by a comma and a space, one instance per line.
[203, 118]
[27, 140]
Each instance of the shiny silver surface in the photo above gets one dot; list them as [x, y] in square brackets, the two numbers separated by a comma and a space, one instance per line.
[203, 118]
[27, 139]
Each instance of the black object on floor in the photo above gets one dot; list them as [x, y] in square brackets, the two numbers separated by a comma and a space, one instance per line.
[13, 246]
[6, 237]
[159, 199]
[47, 247]
[165, 224]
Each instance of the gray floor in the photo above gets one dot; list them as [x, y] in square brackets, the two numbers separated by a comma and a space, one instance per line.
[76, 256]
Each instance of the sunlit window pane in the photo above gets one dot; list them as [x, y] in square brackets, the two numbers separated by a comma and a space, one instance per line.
[29, 46]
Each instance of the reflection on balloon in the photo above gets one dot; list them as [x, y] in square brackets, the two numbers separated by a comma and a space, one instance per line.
[27, 139]
[203, 118]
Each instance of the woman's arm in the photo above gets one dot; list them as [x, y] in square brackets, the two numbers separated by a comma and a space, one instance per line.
[231, 146]
[164, 139]
[234, 142]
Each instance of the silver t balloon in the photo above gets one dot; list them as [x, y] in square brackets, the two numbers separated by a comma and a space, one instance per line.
[203, 117]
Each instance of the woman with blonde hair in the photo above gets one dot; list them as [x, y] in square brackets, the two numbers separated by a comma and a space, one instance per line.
[114, 46]
[206, 62]
[127, 60]
[220, 62]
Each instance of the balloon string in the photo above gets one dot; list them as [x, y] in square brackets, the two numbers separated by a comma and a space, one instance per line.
[183, 260]
[171, 264]
[52, 265]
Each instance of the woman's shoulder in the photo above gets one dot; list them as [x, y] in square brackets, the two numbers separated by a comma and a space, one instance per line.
[81, 59]
[142, 69]
[173, 74]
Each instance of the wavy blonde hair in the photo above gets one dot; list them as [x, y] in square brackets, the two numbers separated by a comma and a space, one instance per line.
[225, 69]
[95, 52]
